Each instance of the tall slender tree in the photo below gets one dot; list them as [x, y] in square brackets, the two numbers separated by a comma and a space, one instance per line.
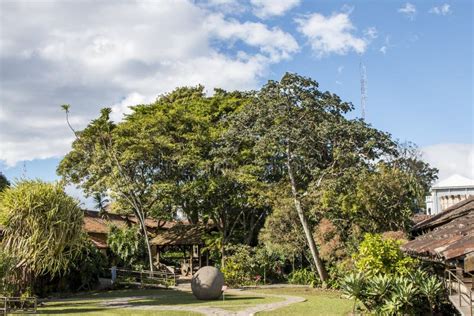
[102, 160]
[300, 134]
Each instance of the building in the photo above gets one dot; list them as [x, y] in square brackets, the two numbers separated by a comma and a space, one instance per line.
[447, 240]
[449, 192]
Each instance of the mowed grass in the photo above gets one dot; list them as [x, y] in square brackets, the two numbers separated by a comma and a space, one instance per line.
[143, 301]
[318, 302]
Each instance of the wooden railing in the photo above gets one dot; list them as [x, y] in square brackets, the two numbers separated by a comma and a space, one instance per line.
[146, 277]
[464, 292]
[18, 305]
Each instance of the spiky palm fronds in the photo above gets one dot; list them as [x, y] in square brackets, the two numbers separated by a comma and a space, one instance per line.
[43, 228]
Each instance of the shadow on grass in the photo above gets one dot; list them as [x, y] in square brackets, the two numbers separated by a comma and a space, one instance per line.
[106, 301]
[71, 310]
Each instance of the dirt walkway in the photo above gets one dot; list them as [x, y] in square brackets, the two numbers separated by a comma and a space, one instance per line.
[211, 311]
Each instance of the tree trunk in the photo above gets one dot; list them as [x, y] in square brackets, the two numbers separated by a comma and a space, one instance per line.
[304, 222]
[222, 254]
[147, 241]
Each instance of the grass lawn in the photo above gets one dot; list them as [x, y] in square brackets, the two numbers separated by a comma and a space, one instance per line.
[318, 302]
[115, 302]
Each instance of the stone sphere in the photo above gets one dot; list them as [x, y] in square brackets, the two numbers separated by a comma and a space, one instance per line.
[207, 283]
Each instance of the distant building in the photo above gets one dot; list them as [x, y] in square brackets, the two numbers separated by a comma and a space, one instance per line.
[449, 192]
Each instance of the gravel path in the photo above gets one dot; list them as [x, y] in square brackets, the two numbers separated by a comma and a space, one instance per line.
[207, 310]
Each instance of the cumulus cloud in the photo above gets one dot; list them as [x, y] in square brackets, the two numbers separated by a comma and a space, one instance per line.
[451, 159]
[443, 9]
[409, 10]
[269, 8]
[271, 41]
[116, 54]
[331, 35]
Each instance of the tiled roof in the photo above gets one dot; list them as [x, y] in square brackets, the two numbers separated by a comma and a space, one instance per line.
[181, 234]
[94, 223]
[447, 235]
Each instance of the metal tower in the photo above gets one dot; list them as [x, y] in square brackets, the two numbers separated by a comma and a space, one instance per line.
[363, 88]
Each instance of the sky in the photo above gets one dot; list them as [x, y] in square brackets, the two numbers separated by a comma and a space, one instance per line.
[418, 57]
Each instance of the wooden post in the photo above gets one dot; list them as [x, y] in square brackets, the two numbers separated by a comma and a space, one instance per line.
[199, 255]
[191, 261]
[158, 255]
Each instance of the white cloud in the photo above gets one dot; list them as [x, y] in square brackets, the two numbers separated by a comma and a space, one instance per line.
[271, 41]
[340, 69]
[371, 32]
[386, 45]
[331, 35]
[95, 54]
[124, 107]
[269, 8]
[409, 10]
[443, 9]
[451, 159]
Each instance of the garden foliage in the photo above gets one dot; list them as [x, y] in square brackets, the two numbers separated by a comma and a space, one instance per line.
[415, 293]
[378, 255]
[43, 231]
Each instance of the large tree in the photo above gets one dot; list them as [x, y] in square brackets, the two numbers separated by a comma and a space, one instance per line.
[104, 160]
[163, 159]
[300, 134]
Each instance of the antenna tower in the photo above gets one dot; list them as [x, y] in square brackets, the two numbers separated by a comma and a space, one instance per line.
[363, 88]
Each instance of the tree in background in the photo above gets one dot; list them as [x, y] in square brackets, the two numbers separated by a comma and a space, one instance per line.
[301, 133]
[282, 232]
[420, 175]
[164, 159]
[43, 231]
[103, 159]
[4, 183]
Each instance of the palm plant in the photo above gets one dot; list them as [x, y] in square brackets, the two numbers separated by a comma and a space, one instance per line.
[43, 230]
[379, 287]
[431, 288]
[353, 286]
[404, 294]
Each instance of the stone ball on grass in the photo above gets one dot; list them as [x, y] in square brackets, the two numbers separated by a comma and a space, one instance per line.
[207, 283]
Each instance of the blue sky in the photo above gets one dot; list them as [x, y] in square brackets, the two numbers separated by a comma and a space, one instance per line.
[418, 56]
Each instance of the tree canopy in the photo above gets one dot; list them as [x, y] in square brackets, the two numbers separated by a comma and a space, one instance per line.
[284, 154]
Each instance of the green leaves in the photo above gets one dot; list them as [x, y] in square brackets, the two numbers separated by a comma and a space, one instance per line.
[127, 245]
[386, 294]
[43, 228]
[377, 255]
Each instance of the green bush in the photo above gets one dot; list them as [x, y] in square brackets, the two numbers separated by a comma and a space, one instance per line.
[239, 268]
[378, 255]
[7, 263]
[304, 277]
[43, 231]
[245, 265]
[416, 293]
[128, 246]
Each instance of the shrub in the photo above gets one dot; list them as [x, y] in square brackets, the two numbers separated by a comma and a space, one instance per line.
[7, 263]
[412, 294]
[43, 230]
[304, 277]
[245, 265]
[128, 246]
[377, 255]
[239, 266]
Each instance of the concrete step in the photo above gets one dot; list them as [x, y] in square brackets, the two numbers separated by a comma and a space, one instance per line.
[464, 308]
